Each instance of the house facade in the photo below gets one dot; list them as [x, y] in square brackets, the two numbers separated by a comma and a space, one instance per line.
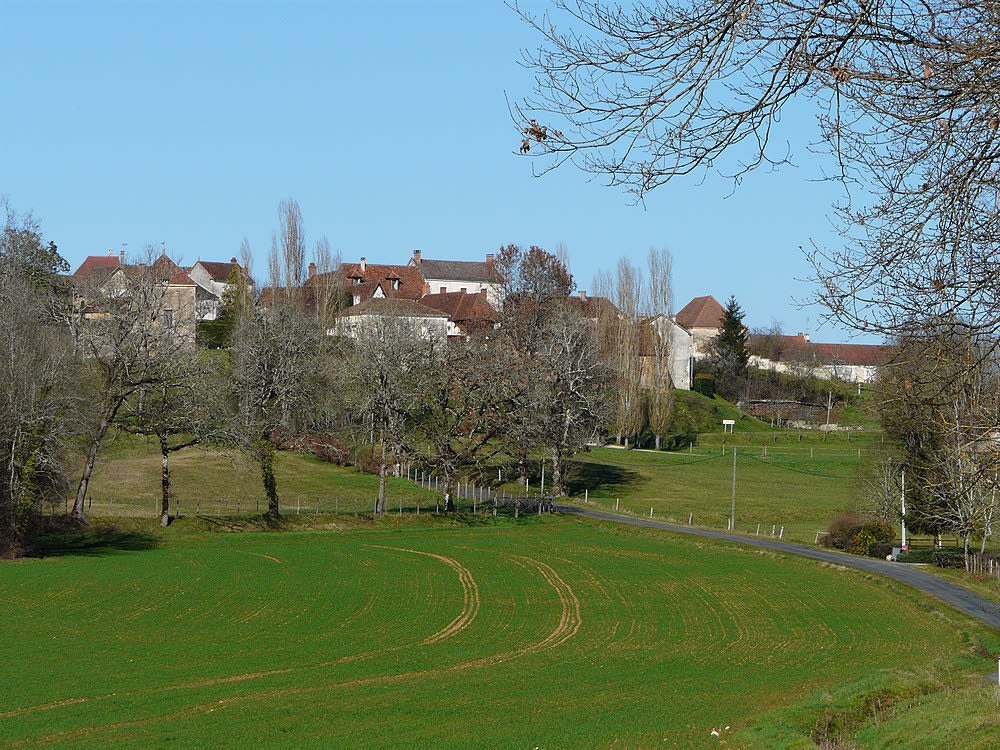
[423, 321]
[470, 276]
[700, 318]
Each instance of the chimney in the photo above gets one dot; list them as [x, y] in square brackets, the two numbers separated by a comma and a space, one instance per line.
[312, 270]
[363, 265]
[583, 294]
[416, 256]
[804, 336]
[489, 257]
[121, 257]
[234, 262]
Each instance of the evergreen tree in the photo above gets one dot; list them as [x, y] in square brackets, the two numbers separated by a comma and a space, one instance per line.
[730, 352]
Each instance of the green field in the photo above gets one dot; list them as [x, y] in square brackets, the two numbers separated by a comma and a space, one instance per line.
[548, 633]
[789, 487]
[800, 484]
[126, 481]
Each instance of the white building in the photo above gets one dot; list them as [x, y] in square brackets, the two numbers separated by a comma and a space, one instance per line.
[424, 321]
[471, 276]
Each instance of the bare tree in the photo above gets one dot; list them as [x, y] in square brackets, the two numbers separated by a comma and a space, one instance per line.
[661, 310]
[466, 407]
[940, 398]
[327, 283]
[387, 374]
[128, 336]
[622, 330]
[277, 380]
[182, 409]
[906, 97]
[286, 258]
[570, 404]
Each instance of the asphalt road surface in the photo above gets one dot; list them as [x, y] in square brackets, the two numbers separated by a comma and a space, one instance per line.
[957, 596]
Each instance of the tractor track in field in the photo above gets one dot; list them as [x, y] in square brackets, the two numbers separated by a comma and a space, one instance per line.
[959, 597]
[470, 596]
[569, 623]
[470, 607]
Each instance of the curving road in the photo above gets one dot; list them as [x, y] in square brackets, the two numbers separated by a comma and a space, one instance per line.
[957, 596]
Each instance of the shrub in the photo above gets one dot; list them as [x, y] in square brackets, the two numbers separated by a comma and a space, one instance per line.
[882, 531]
[863, 543]
[949, 558]
[842, 528]
[704, 383]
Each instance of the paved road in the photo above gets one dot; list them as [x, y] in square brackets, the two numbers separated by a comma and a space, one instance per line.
[957, 596]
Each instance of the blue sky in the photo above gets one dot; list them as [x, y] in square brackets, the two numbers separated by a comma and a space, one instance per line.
[187, 123]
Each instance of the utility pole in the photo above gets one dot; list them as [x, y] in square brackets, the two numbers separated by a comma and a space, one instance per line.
[902, 498]
[733, 511]
[829, 403]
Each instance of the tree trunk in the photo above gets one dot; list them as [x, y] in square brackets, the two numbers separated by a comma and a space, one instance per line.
[380, 501]
[449, 495]
[557, 474]
[657, 442]
[79, 504]
[270, 482]
[965, 551]
[164, 481]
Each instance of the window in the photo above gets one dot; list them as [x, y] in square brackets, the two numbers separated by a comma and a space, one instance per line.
[395, 283]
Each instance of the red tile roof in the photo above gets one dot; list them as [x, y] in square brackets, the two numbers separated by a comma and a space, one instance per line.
[220, 271]
[462, 307]
[594, 307]
[800, 349]
[411, 282]
[701, 312]
[95, 262]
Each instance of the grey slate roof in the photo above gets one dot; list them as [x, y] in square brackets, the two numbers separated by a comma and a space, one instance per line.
[457, 270]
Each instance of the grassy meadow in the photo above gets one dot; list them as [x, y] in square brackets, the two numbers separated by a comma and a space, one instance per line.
[784, 478]
[470, 633]
[796, 485]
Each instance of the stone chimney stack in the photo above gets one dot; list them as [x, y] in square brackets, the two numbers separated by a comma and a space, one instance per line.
[312, 270]
[416, 256]
[583, 294]
[489, 257]
[121, 257]
[363, 265]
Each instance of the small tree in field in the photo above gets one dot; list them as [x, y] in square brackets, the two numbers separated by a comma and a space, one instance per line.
[181, 410]
[386, 374]
[127, 343]
[277, 384]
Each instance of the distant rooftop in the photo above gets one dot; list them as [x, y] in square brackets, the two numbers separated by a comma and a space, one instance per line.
[701, 312]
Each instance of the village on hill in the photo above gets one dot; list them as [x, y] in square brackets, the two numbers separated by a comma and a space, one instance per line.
[452, 298]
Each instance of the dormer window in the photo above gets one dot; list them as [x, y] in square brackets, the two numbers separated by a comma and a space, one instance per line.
[355, 280]
[395, 283]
